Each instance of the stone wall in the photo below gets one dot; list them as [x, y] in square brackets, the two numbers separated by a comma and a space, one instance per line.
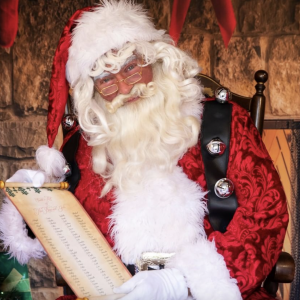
[267, 37]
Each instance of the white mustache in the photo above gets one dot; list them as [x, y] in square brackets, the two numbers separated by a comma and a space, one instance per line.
[140, 90]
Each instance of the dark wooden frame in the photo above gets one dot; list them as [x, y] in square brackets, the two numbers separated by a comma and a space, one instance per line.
[255, 105]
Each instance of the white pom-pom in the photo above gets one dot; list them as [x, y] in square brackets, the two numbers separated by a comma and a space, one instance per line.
[51, 161]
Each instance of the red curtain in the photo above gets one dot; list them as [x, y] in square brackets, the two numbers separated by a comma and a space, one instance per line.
[223, 10]
[179, 11]
[226, 19]
[8, 22]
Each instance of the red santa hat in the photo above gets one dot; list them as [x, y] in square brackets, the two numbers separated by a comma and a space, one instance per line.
[89, 34]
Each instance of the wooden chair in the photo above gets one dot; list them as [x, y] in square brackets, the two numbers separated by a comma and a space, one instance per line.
[284, 269]
[255, 105]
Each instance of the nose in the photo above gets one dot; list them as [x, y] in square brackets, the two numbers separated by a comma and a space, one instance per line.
[124, 88]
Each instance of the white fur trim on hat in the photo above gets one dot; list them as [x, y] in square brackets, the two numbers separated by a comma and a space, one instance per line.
[108, 26]
[13, 234]
[205, 271]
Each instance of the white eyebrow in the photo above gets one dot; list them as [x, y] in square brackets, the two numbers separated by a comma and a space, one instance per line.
[128, 60]
[105, 73]
[102, 75]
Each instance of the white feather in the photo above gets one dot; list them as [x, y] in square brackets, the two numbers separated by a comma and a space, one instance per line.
[13, 230]
[13, 234]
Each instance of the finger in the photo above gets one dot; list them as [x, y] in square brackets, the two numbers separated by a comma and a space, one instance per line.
[20, 176]
[128, 286]
[134, 295]
[123, 289]
[38, 179]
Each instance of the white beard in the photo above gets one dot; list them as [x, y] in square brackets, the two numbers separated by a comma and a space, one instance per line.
[153, 132]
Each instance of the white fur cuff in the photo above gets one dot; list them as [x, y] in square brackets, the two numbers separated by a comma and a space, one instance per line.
[13, 233]
[205, 271]
[52, 162]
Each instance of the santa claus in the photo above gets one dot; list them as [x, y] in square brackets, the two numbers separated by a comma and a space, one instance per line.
[138, 166]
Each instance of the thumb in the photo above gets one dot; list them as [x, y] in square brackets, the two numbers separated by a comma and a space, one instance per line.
[128, 286]
[20, 176]
[38, 178]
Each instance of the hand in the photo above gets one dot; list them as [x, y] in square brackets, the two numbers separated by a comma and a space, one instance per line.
[37, 178]
[166, 284]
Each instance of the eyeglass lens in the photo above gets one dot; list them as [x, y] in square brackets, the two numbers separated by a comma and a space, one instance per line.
[114, 87]
[131, 73]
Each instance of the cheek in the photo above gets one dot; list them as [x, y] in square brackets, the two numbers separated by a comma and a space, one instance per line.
[110, 97]
[147, 75]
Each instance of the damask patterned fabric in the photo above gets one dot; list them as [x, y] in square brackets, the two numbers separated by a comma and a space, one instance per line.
[254, 238]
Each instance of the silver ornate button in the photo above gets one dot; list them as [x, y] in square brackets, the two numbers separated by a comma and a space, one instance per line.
[222, 94]
[68, 122]
[216, 147]
[67, 170]
[224, 188]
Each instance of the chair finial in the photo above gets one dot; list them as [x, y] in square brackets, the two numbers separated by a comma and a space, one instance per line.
[261, 76]
[259, 99]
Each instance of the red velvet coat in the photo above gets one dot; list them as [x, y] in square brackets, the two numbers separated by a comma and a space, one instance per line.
[254, 238]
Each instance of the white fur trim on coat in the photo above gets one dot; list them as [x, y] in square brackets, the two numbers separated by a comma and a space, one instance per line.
[108, 26]
[14, 235]
[205, 271]
[160, 214]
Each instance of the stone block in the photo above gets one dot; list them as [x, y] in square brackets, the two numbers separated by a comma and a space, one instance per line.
[40, 26]
[41, 273]
[46, 293]
[200, 18]
[5, 79]
[297, 15]
[284, 76]
[267, 16]
[23, 133]
[159, 11]
[199, 47]
[235, 66]
[17, 152]
[5, 115]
